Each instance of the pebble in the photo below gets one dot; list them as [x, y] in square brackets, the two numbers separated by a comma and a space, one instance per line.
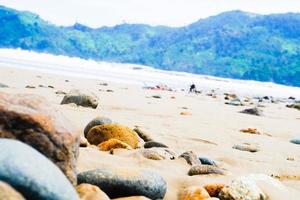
[142, 134]
[190, 158]
[102, 133]
[152, 144]
[90, 192]
[204, 170]
[126, 182]
[95, 122]
[32, 174]
[244, 147]
[80, 98]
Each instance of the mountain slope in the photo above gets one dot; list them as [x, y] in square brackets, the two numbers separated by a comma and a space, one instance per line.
[233, 44]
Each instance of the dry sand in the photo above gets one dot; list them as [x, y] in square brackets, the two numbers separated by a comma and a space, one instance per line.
[211, 130]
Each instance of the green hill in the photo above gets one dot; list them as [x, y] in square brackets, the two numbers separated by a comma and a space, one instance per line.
[232, 44]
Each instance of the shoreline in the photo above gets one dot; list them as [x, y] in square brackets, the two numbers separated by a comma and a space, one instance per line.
[138, 75]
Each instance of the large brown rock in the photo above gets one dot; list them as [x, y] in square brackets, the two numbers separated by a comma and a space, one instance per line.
[30, 119]
[102, 133]
[96, 122]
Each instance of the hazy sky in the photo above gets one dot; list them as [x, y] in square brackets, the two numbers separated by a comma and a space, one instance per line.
[97, 13]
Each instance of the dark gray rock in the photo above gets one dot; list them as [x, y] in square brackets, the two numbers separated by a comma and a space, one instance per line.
[96, 122]
[252, 111]
[207, 161]
[126, 182]
[295, 141]
[32, 174]
[152, 144]
[3, 85]
[190, 158]
[30, 87]
[85, 99]
[156, 96]
[142, 134]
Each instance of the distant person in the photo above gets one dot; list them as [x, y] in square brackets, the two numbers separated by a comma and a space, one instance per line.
[193, 88]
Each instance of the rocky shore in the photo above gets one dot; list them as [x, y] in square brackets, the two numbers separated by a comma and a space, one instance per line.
[63, 138]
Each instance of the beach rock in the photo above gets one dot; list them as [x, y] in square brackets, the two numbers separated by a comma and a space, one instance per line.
[295, 141]
[142, 134]
[32, 120]
[271, 187]
[30, 87]
[207, 161]
[252, 111]
[102, 133]
[156, 96]
[158, 154]
[3, 85]
[109, 91]
[235, 102]
[90, 192]
[204, 170]
[113, 144]
[126, 182]
[83, 142]
[85, 99]
[95, 122]
[9, 193]
[133, 198]
[60, 92]
[185, 113]
[214, 189]
[32, 174]
[190, 158]
[246, 147]
[194, 193]
[296, 106]
[242, 189]
[250, 130]
[230, 96]
[152, 144]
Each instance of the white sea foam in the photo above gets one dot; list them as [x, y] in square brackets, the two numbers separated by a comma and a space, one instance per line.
[136, 74]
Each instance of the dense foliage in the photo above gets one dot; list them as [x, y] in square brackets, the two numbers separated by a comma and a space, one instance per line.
[233, 44]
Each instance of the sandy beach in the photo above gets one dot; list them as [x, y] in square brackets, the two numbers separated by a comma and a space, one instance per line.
[210, 128]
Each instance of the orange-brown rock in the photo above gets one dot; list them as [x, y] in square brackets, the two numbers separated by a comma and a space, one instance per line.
[214, 189]
[102, 133]
[90, 192]
[30, 119]
[250, 130]
[9, 193]
[113, 144]
[194, 193]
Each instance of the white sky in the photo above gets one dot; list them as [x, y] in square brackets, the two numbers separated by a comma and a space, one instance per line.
[96, 13]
